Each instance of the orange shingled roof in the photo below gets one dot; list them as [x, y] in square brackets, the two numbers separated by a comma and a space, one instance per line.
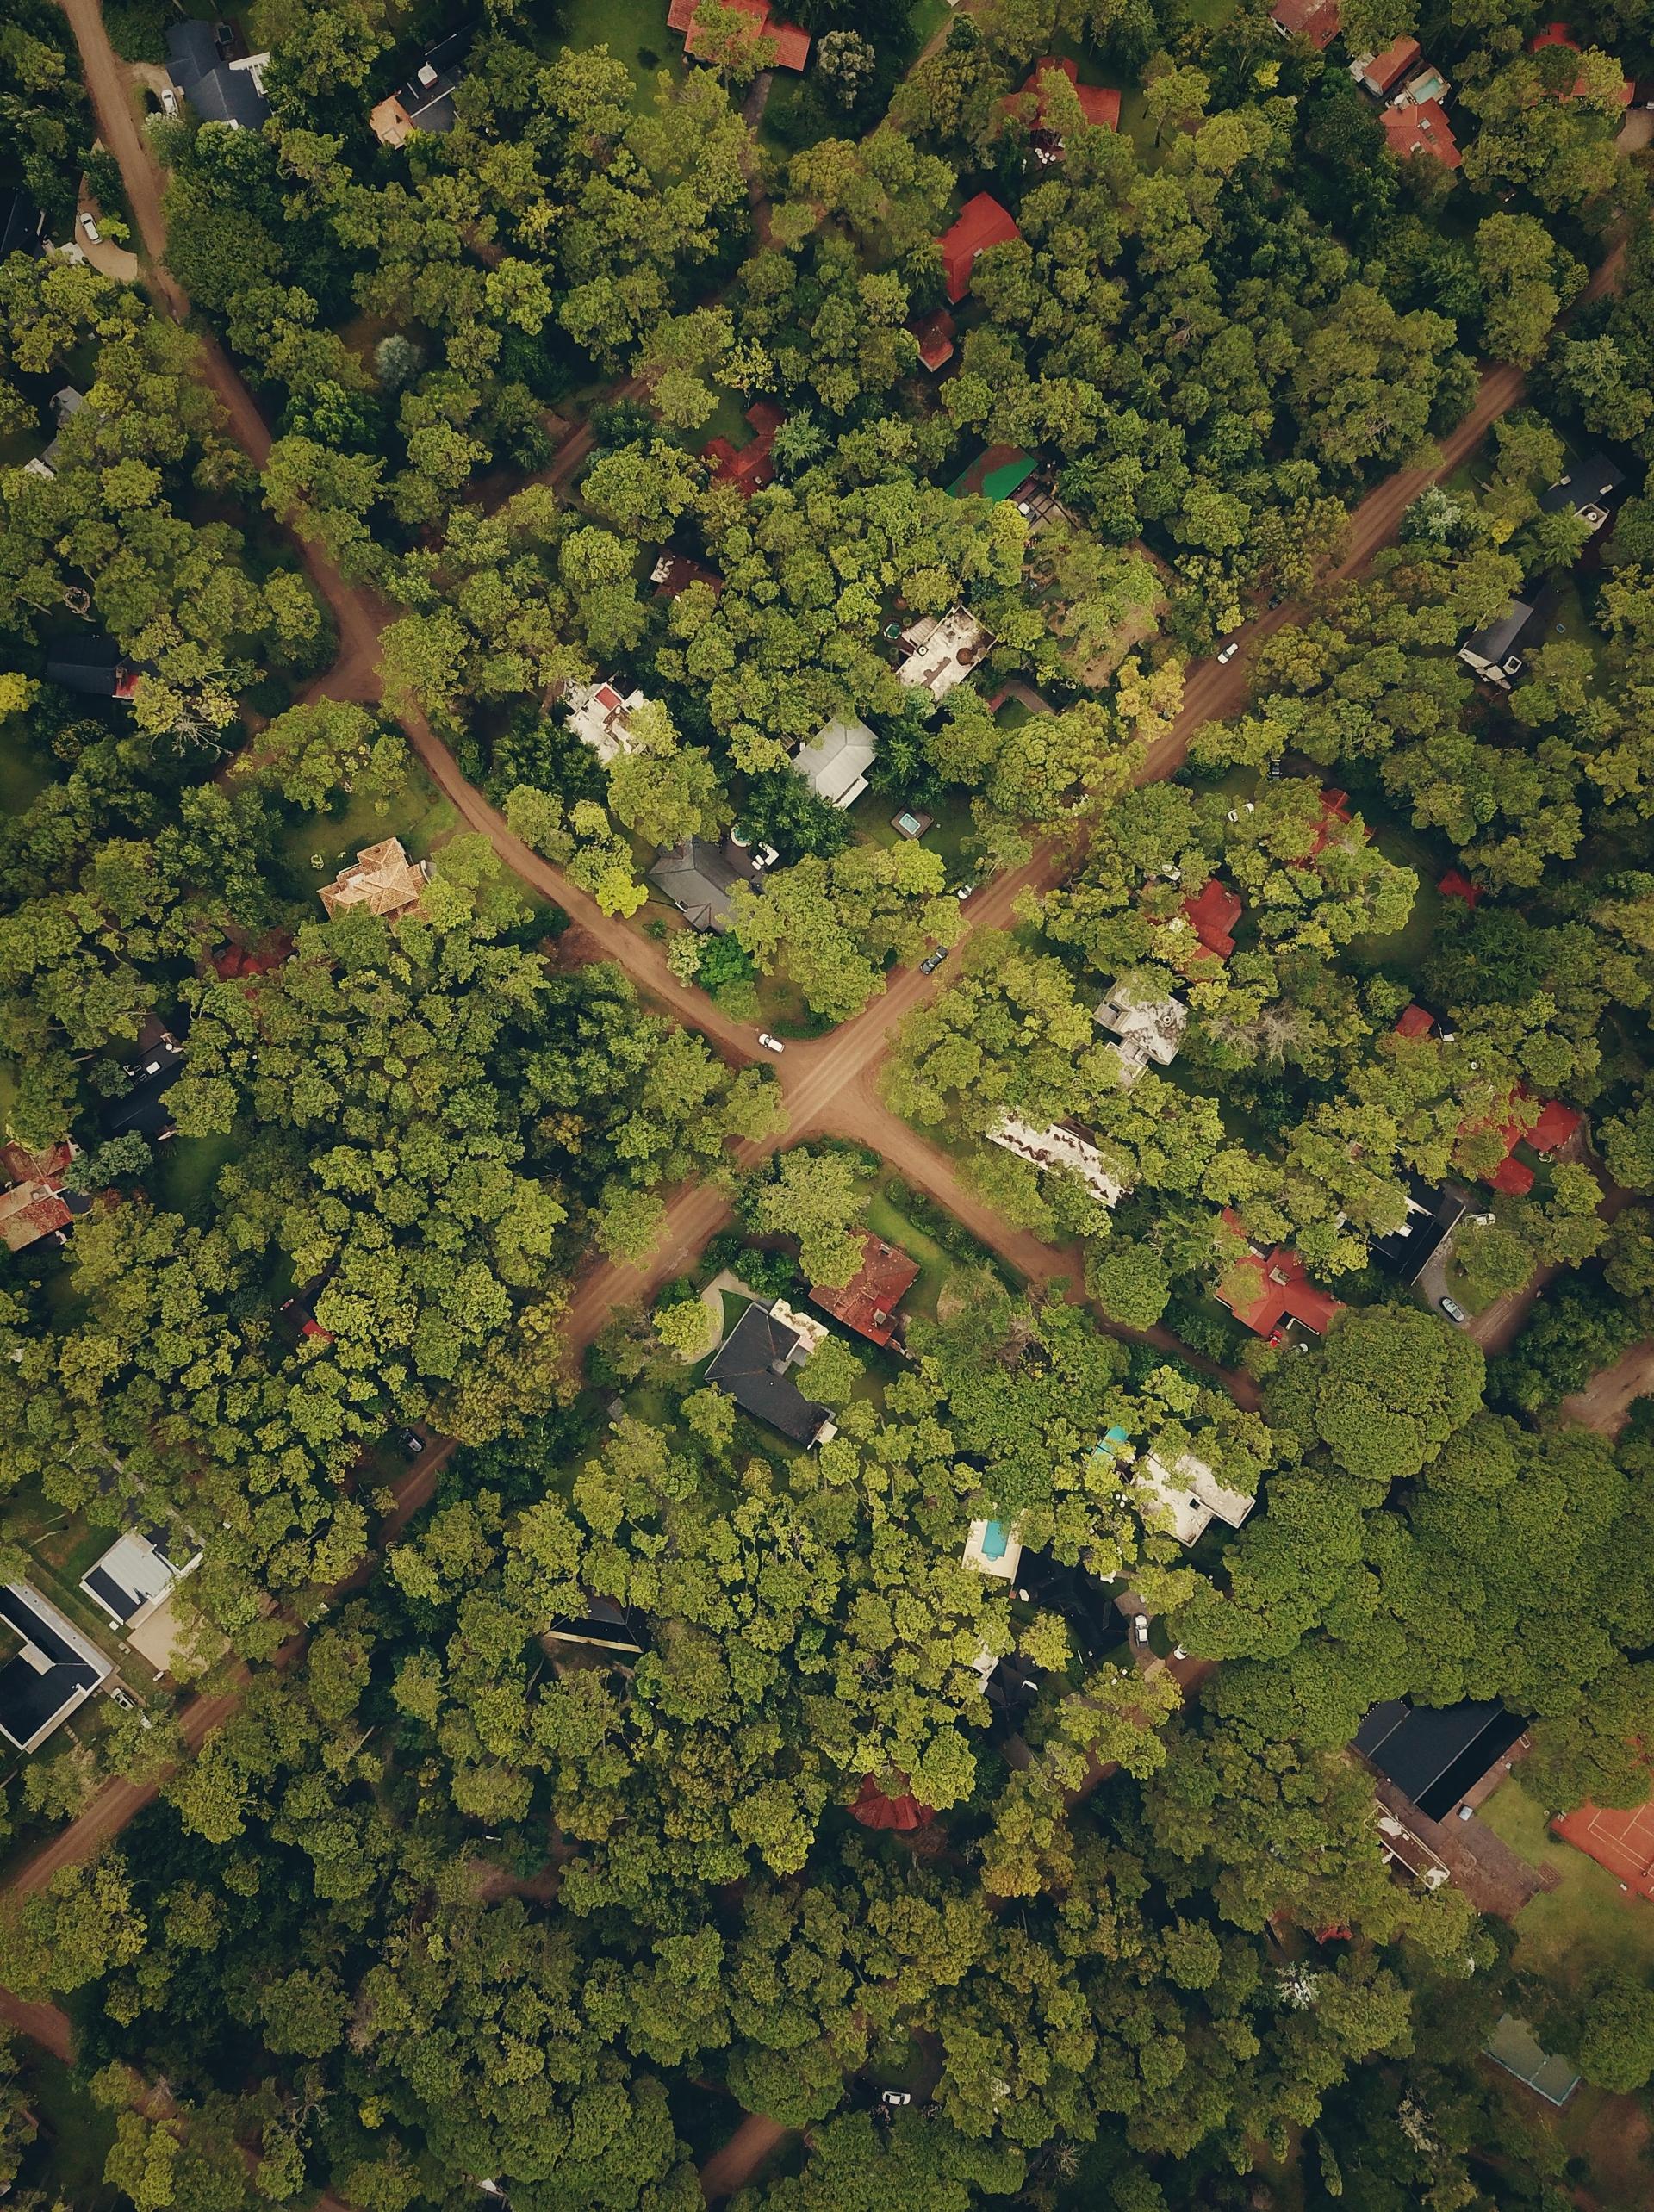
[792, 44]
[868, 1302]
[1415, 1023]
[1384, 70]
[1273, 1286]
[903, 1814]
[981, 223]
[1421, 129]
[1314, 20]
[1212, 914]
[1098, 103]
[1453, 885]
[935, 333]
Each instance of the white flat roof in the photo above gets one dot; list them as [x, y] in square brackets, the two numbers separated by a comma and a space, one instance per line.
[943, 651]
[1189, 1495]
[1060, 1146]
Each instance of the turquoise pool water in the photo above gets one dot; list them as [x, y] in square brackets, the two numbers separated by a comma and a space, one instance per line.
[995, 1538]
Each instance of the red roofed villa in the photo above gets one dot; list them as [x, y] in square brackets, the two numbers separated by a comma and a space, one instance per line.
[34, 1208]
[903, 1814]
[749, 467]
[1555, 1125]
[1560, 35]
[1415, 1021]
[1421, 128]
[981, 222]
[791, 44]
[1380, 72]
[1268, 1292]
[1453, 885]
[1212, 914]
[1314, 20]
[868, 1302]
[1097, 104]
[935, 333]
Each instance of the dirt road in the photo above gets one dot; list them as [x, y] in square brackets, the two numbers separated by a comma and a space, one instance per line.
[1605, 1403]
[734, 2164]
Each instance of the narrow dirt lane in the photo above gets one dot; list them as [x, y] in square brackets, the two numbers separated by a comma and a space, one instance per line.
[1605, 1403]
[735, 2163]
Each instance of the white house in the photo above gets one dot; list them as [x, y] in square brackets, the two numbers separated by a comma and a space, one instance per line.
[1151, 1030]
[1060, 1146]
[1187, 1494]
[599, 718]
[941, 651]
[835, 762]
[993, 1547]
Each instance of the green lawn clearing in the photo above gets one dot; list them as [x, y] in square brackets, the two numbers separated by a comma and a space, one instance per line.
[1587, 1921]
[634, 32]
[313, 848]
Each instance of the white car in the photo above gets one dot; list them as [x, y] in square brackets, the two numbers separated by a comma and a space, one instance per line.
[770, 1044]
[1454, 1311]
[965, 891]
[1228, 653]
[896, 2097]
[169, 100]
[1139, 1628]
[91, 230]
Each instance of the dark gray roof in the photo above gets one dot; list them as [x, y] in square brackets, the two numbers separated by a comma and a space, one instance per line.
[1493, 643]
[1435, 1753]
[1433, 1212]
[93, 667]
[1590, 482]
[698, 879]
[751, 1365]
[22, 226]
[143, 1111]
[218, 93]
[32, 1700]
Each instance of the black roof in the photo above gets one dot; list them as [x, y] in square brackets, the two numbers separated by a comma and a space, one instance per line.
[22, 225]
[218, 93]
[121, 1603]
[698, 879]
[93, 667]
[1435, 1753]
[1587, 483]
[610, 1626]
[1094, 1620]
[143, 1111]
[1433, 1213]
[30, 1701]
[751, 1365]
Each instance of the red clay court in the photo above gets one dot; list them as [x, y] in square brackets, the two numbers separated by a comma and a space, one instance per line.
[1621, 1841]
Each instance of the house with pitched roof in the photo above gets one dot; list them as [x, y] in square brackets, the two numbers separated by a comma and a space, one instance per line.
[1097, 104]
[35, 1205]
[698, 879]
[1422, 126]
[1314, 20]
[791, 44]
[1379, 74]
[982, 222]
[219, 89]
[835, 762]
[868, 1302]
[49, 1671]
[382, 879]
[753, 1364]
[1268, 1292]
[425, 103]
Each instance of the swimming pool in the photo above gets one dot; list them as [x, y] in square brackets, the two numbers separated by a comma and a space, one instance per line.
[995, 1538]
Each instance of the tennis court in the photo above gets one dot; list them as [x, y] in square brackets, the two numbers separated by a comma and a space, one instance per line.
[1621, 1841]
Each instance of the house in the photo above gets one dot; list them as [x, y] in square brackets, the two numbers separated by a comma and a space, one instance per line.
[35, 1205]
[998, 472]
[1433, 1212]
[935, 335]
[1414, 1022]
[1491, 653]
[604, 1626]
[1097, 105]
[1585, 491]
[425, 103]
[993, 1547]
[22, 225]
[868, 1302]
[1378, 73]
[1151, 1029]
[1187, 1495]
[981, 223]
[698, 879]
[875, 1807]
[141, 1111]
[1422, 126]
[1560, 35]
[1555, 1125]
[752, 1362]
[1314, 20]
[1212, 913]
[1268, 1292]
[1330, 826]
[1400, 1848]
[1059, 1146]
[136, 1575]
[1434, 1755]
[94, 668]
[599, 718]
[673, 573]
[751, 466]
[1456, 884]
[791, 44]
[941, 651]
[220, 90]
[67, 404]
[835, 762]
[382, 879]
[51, 1667]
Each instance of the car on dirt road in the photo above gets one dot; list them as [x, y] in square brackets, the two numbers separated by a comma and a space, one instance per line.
[1228, 653]
[932, 961]
[1454, 1311]
[91, 230]
[770, 1044]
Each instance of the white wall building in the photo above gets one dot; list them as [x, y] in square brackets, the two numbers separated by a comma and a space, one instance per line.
[1059, 1146]
[941, 651]
[835, 762]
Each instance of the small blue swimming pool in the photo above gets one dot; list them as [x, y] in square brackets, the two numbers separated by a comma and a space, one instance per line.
[995, 1536]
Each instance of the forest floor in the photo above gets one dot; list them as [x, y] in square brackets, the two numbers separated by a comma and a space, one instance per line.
[1605, 1403]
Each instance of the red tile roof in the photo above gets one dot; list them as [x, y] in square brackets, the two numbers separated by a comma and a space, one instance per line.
[1314, 20]
[1558, 34]
[1423, 129]
[752, 465]
[1212, 914]
[935, 332]
[1455, 885]
[1383, 70]
[1098, 103]
[1511, 1177]
[1556, 1124]
[981, 223]
[1415, 1023]
[1272, 1287]
[1334, 816]
[791, 44]
[869, 1301]
[903, 1814]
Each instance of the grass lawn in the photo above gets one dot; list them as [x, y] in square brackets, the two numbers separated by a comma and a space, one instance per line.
[1404, 949]
[634, 32]
[76, 2137]
[927, 19]
[1587, 1921]
[311, 849]
[187, 1170]
[886, 1220]
[946, 836]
